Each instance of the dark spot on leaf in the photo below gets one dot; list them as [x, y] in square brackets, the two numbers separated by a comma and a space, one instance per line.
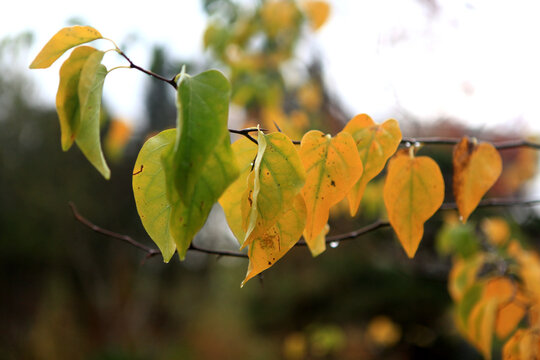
[269, 263]
[333, 183]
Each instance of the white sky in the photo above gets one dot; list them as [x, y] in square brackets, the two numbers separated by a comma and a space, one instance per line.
[477, 61]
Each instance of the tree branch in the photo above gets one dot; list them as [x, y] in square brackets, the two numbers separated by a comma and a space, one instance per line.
[503, 145]
[157, 76]
[151, 252]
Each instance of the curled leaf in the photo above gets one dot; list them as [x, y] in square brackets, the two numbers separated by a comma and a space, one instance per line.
[376, 143]
[413, 191]
[476, 168]
[67, 97]
[332, 168]
[62, 41]
[231, 201]
[90, 90]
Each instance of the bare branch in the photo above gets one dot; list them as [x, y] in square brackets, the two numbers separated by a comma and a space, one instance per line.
[150, 252]
[503, 145]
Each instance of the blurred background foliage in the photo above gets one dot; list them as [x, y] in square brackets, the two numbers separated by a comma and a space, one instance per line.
[69, 293]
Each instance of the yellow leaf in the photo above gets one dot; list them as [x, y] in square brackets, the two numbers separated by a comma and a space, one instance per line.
[317, 12]
[376, 143]
[332, 167]
[481, 324]
[413, 191]
[269, 247]
[244, 151]
[476, 168]
[62, 41]
[278, 176]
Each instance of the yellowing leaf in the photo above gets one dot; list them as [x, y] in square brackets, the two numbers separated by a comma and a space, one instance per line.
[317, 12]
[376, 143]
[332, 168]
[150, 192]
[278, 176]
[463, 275]
[476, 168]
[90, 90]
[67, 97]
[231, 201]
[413, 191]
[481, 324]
[269, 247]
[62, 41]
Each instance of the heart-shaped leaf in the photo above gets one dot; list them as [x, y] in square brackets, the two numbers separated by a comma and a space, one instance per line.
[476, 168]
[376, 143]
[413, 191]
[332, 168]
[150, 191]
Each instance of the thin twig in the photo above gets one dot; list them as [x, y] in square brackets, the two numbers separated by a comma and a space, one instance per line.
[153, 74]
[495, 202]
[150, 252]
[503, 145]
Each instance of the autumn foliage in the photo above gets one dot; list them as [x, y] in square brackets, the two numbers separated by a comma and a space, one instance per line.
[276, 191]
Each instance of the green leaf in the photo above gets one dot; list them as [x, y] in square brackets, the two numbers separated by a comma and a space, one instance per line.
[187, 218]
[201, 164]
[62, 41]
[90, 91]
[67, 97]
[278, 176]
[150, 191]
[203, 106]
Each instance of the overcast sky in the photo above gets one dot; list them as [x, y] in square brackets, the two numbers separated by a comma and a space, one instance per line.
[476, 61]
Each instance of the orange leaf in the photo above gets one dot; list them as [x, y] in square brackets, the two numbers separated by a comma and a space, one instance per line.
[476, 168]
[332, 168]
[268, 248]
[376, 143]
[510, 302]
[413, 191]
[317, 12]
